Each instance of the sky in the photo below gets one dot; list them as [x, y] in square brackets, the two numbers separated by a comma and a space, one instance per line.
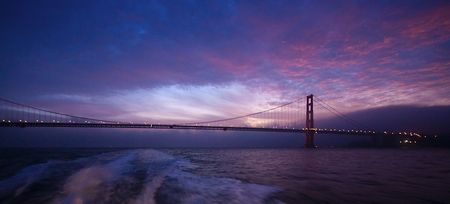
[191, 60]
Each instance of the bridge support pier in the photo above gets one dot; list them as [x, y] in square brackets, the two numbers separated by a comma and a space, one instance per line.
[309, 122]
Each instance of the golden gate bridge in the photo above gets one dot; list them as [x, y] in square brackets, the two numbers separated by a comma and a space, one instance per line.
[291, 117]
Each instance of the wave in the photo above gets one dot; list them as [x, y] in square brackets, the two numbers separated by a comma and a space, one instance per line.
[184, 187]
[18, 183]
[159, 165]
[135, 177]
[86, 184]
[170, 184]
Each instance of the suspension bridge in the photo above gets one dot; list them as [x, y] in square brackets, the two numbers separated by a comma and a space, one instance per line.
[291, 117]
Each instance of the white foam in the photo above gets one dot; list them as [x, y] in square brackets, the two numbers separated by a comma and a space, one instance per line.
[23, 179]
[84, 185]
[182, 187]
[165, 177]
[27, 176]
[153, 157]
[201, 189]
[148, 194]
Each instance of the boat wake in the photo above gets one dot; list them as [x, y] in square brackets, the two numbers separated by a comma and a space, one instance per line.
[135, 177]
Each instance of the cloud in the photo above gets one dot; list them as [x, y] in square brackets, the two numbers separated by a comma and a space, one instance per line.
[116, 61]
[190, 103]
[167, 104]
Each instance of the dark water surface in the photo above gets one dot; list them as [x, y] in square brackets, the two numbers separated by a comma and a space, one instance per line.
[224, 176]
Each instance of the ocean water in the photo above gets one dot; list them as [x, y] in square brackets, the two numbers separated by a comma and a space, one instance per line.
[224, 176]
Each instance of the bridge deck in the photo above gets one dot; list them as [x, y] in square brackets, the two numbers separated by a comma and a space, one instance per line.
[187, 127]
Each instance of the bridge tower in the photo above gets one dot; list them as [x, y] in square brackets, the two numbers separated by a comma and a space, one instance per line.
[309, 122]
